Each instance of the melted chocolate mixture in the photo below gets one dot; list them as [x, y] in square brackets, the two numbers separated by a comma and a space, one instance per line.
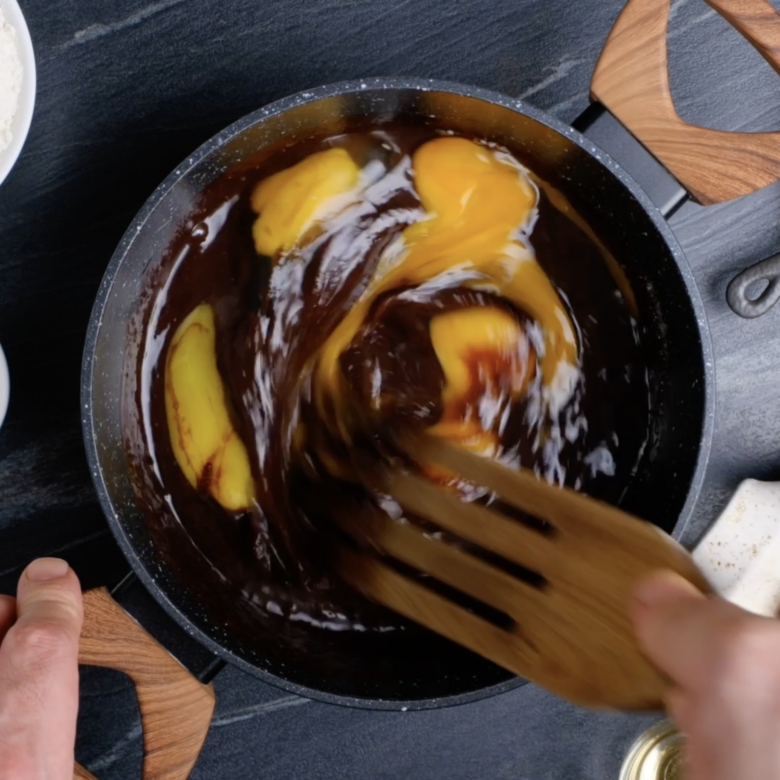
[264, 574]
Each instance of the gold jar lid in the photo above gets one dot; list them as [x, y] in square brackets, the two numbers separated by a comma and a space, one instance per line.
[656, 755]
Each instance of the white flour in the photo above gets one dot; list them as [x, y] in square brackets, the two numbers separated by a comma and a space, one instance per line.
[10, 80]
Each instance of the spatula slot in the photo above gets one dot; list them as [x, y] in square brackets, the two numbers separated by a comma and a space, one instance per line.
[464, 600]
[519, 516]
[532, 578]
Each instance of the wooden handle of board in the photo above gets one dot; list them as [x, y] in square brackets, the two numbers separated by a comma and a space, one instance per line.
[175, 708]
[632, 81]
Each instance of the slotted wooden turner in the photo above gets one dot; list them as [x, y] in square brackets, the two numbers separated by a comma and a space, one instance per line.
[571, 634]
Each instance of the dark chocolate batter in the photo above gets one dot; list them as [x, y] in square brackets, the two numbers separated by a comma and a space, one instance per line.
[265, 573]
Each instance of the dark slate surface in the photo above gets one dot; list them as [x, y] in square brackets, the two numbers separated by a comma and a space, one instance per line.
[126, 90]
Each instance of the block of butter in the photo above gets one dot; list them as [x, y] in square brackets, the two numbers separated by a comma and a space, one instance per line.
[740, 554]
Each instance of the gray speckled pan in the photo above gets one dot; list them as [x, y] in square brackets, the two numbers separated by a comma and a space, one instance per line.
[671, 314]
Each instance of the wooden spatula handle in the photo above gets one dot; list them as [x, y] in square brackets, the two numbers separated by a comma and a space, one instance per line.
[79, 773]
[632, 80]
[175, 708]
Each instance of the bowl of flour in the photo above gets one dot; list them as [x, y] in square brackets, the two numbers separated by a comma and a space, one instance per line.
[17, 100]
[17, 84]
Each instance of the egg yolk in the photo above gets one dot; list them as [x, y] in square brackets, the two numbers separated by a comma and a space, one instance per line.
[485, 358]
[291, 201]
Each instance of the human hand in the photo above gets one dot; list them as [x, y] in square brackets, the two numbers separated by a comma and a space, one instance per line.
[39, 678]
[725, 667]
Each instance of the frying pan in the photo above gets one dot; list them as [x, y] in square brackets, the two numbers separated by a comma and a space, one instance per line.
[631, 87]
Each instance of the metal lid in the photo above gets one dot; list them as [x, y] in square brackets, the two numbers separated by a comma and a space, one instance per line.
[656, 755]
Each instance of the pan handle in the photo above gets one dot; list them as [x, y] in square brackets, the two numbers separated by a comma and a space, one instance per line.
[767, 270]
[632, 80]
[175, 708]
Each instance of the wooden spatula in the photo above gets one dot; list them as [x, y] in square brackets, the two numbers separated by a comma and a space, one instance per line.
[563, 621]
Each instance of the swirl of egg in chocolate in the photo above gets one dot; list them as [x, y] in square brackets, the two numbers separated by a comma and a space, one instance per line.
[406, 276]
[477, 202]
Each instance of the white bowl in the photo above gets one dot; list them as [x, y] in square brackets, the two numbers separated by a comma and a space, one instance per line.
[4, 386]
[21, 121]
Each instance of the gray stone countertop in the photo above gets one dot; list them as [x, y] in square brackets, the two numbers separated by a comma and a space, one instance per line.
[127, 89]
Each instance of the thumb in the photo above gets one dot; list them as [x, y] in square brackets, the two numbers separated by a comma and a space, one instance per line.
[39, 674]
[679, 628]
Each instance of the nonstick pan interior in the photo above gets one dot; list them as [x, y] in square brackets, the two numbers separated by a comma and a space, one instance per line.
[671, 321]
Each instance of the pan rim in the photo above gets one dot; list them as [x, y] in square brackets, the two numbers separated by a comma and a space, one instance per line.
[276, 108]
